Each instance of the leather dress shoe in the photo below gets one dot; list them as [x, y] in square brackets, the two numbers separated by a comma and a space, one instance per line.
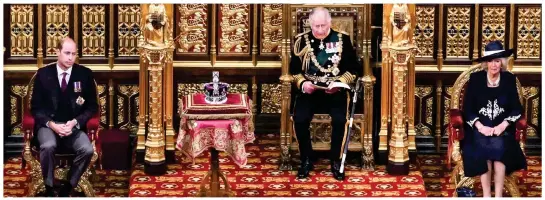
[65, 190]
[306, 167]
[335, 167]
[49, 192]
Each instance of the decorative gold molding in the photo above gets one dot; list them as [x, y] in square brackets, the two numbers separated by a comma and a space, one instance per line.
[213, 46]
[94, 67]
[22, 30]
[438, 114]
[475, 33]
[57, 25]
[76, 29]
[111, 39]
[93, 29]
[193, 28]
[493, 25]
[176, 64]
[254, 36]
[440, 56]
[458, 28]
[271, 34]
[40, 50]
[426, 35]
[111, 94]
[228, 64]
[234, 29]
[128, 29]
[271, 98]
[530, 32]
[461, 68]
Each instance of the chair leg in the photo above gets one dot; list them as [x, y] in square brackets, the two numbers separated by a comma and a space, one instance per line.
[87, 188]
[511, 186]
[37, 184]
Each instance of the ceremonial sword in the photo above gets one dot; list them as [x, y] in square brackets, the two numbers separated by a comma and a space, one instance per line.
[347, 136]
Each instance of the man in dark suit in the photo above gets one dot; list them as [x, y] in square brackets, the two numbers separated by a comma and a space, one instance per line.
[63, 100]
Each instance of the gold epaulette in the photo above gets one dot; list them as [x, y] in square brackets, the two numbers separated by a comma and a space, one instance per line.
[300, 34]
[344, 33]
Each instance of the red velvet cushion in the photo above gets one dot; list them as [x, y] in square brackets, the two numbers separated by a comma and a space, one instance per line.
[28, 124]
[236, 104]
[521, 127]
[114, 136]
[457, 123]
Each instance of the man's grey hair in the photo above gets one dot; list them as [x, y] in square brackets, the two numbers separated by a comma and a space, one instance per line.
[318, 10]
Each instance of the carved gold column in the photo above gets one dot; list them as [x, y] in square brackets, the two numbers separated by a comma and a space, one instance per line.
[398, 51]
[439, 114]
[254, 97]
[368, 157]
[111, 104]
[40, 50]
[168, 89]
[143, 96]
[254, 36]
[111, 39]
[76, 29]
[368, 83]
[385, 104]
[411, 85]
[398, 155]
[440, 39]
[476, 34]
[143, 110]
[285, 80]
[156, 51]
[213, 47]
[511, 59]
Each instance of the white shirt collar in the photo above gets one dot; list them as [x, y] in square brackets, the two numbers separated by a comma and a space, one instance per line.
[60, 71]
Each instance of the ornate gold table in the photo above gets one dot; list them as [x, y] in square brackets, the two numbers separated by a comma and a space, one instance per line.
[219, 127]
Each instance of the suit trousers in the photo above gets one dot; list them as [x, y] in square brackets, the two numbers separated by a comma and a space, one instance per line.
[78, 142]
[306, 105]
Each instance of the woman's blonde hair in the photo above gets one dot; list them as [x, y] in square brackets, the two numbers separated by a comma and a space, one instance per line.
[484, 64]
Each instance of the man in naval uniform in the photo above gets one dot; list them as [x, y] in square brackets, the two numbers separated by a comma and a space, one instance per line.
[319, 57]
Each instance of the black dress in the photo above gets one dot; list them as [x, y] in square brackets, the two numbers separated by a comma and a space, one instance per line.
[491, 106]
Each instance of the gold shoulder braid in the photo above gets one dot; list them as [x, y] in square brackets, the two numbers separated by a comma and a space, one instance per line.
[334, 69]
[297, 43]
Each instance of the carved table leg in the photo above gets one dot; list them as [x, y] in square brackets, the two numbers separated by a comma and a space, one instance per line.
[214, 174]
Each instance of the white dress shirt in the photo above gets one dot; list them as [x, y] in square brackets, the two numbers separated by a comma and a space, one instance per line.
[60, 76]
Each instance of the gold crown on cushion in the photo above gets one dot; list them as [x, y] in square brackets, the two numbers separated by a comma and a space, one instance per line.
[215, 91]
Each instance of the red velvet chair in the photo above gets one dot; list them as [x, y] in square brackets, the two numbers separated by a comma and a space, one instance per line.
[456, 133]
[63, 158]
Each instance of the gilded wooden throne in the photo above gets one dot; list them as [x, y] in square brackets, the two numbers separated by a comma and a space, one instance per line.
[456, 133]
[348, 20]
[63, 158]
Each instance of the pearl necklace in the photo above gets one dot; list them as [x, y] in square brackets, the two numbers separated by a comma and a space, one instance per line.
[495, 83]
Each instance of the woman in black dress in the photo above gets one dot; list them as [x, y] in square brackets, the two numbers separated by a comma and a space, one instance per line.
[491, 109]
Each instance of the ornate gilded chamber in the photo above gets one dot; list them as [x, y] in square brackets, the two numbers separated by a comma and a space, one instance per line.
[448, 37]
[457, 174]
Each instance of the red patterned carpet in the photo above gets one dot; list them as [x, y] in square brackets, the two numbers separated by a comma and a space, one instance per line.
[108, 183]
[436, 177]
[261, 177]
